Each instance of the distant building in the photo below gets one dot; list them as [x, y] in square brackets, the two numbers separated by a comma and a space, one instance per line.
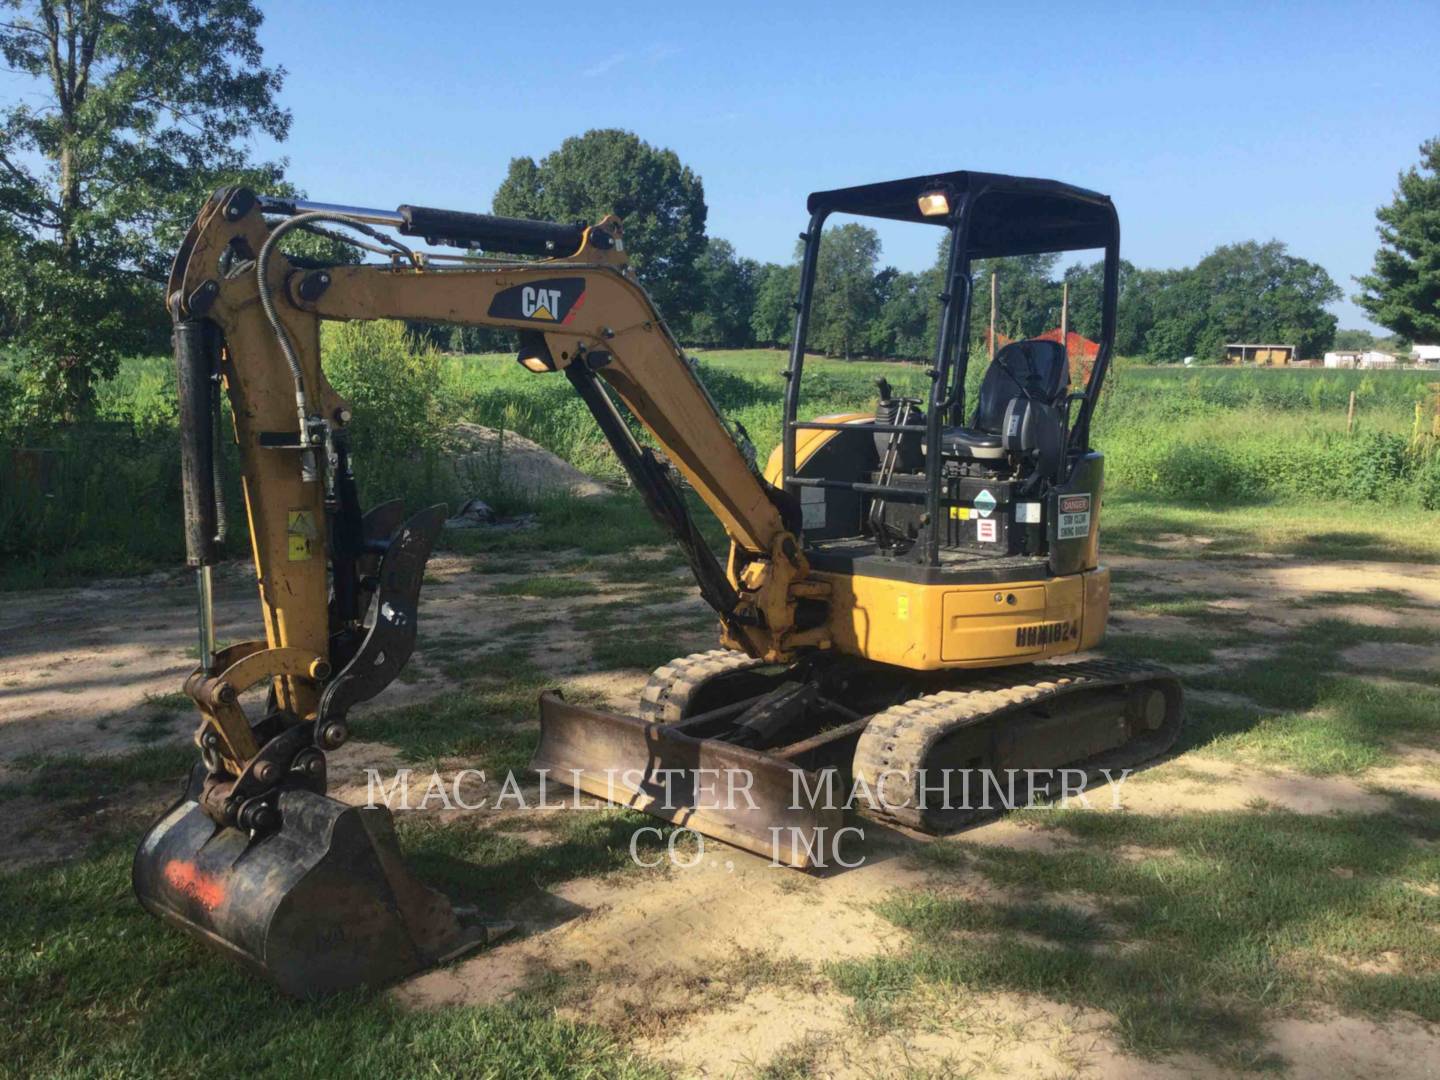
[1374, 358]
[1264, 355]
[1426, 354]
[1343, 358]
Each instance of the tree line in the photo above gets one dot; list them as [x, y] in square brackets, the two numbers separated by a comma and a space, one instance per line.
[135, 110]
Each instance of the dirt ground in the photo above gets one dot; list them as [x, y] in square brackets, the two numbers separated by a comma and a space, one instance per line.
[712, 967]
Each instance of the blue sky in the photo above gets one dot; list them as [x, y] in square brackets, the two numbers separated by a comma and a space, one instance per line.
[1207, 123]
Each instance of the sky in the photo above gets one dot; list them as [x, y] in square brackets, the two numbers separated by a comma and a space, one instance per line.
[1206, 123]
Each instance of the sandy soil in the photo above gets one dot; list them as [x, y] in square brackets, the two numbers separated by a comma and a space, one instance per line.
[712, 967]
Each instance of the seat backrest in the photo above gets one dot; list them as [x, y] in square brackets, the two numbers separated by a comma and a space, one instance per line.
[1033, 369]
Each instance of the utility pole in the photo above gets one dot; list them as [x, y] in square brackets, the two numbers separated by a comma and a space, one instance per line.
[1065, 315]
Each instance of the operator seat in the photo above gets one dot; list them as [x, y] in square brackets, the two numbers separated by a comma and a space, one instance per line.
[1025, 386]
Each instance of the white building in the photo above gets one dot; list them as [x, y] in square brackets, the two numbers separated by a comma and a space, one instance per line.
[1374, 358]
[1342, 359]
[1426, 354]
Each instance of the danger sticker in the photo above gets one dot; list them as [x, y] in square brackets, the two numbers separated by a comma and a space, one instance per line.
[1073, 521]
[985, 530]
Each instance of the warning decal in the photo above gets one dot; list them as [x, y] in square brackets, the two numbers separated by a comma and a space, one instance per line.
[1073, 521]
[300, 534]
[985, 530]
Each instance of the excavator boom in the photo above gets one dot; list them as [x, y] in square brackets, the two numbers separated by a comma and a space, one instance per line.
[254, 857]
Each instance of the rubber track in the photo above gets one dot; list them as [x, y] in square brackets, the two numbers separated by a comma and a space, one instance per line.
[666, 695]
[898, 739]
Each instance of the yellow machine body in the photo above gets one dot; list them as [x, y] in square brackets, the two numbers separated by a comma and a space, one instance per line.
[932, 627]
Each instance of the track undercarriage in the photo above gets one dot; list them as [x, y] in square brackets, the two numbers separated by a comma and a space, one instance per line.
[769, 757]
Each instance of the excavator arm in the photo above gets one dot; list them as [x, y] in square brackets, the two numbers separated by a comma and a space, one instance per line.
[254, 857]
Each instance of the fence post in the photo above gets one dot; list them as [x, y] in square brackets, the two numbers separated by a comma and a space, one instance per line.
[1350, 417]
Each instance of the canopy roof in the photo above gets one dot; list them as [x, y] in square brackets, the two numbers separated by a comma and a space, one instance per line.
[1009, 215]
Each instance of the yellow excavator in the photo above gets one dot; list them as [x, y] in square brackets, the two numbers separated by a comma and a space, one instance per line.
[900, 590]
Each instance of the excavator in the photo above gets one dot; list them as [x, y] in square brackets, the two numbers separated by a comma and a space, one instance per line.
[899, 608]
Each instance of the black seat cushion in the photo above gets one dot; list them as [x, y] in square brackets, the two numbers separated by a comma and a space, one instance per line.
[966, 442]
[1032, 369]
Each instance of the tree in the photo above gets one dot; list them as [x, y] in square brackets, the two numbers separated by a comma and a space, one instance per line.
[1402, 292]
[608, 171]
[845, 301]
[727, 298]
[1354, 340]
[136, 109]
[1259, 292]
[902, 326]
[776, 289]
[1029, 296]
[1239, 292]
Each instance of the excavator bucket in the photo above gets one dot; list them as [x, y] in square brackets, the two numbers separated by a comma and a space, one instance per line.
[322, 905]
[762, 802]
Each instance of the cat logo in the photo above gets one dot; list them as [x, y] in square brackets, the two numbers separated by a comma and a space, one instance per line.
[539, 303]
[1042, 634]
[552, 300]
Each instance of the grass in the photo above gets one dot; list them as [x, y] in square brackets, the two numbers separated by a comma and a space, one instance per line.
[1190, 930]
[1212, 437]
[1155, 527]
[550, 587]
[70, 776]
[487, 720]
[95, 986]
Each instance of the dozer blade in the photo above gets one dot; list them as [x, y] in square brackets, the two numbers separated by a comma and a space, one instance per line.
[748, 798]
[323, 904]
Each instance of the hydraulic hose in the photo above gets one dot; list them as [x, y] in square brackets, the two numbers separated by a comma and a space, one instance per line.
[267, 299]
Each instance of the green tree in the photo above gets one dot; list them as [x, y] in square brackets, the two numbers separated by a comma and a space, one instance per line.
[608, 171]
[1354, 340]
[727, 286]
[132, 112]
[1239, 292]
[1029, 295]
[1402, 291]
[903, 327]
[846, 300]
[1260, 292]
[776, 289]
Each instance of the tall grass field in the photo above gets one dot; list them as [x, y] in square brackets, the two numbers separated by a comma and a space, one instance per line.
[1210, 436]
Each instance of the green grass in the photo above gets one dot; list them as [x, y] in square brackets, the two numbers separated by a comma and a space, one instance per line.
[71, 776]
[1138, 524]
[488, 721]
[1191, 930]
[548, 587]
[644, 649]
[1217, 437]
[94, 986]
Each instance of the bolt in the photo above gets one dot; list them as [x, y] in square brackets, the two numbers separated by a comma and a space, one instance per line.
[259, 817]
[342, 416]
[225, 694]
[265, 772]
[210, 741]
[334, 734]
